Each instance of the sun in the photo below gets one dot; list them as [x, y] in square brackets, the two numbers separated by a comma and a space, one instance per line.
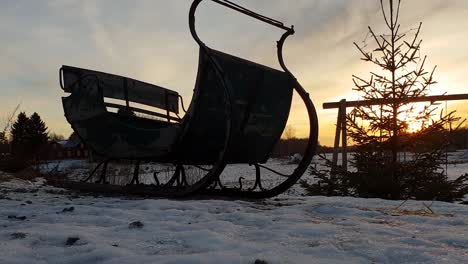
[414, 124]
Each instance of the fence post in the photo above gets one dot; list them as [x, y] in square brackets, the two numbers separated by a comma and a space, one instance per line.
[344, 143]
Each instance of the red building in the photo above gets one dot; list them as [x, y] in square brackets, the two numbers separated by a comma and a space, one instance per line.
[68, 149]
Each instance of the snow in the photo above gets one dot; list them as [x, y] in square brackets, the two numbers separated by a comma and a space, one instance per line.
[64, 165]
[79, 169]
[287, 229]
[62, 142]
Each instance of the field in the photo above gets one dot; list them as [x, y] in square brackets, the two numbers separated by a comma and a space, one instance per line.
[43, 224]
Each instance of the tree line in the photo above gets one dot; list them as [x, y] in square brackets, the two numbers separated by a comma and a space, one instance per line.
[25, 144]
[455, 140]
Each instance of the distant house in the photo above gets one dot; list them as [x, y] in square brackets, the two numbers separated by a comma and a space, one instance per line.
[72, 148]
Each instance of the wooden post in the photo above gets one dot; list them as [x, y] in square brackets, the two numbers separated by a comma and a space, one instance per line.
[127, 103]
[336, 147]
[344, 143]
[166, 97]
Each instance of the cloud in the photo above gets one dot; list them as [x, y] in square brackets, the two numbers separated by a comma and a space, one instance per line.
[150, 40]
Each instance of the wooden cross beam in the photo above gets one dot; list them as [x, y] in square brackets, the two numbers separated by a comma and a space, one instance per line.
[382, 101]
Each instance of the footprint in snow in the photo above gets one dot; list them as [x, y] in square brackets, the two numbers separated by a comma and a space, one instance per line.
[18, 235]
[22, 218]
[67, 210]
[136, 224]
[71, 241]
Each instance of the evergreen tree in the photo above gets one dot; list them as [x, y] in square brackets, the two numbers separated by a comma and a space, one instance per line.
[28, 136]
[3, 144]
[19, 137]
[381, 132]
[36, 131]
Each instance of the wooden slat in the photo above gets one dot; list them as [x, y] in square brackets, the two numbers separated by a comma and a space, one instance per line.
[143, 111]
[122, 88]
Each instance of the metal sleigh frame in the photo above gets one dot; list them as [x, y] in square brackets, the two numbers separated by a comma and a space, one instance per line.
[209, 183]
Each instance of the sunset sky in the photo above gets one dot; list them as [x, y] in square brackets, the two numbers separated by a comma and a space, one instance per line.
[150, 41]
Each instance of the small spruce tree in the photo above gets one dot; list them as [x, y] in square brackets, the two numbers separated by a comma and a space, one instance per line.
[381, 132]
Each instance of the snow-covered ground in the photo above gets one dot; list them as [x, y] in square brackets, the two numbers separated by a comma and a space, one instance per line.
[41, 224]
[79, 169]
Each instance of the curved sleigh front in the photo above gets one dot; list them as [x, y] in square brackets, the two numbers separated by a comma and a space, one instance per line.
[254, 99]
